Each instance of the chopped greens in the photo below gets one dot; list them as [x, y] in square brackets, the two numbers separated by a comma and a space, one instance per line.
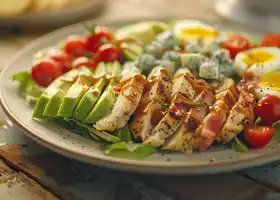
[134, 149]
[276, 125]
[124, 134]
[238, 146]
[27, 87]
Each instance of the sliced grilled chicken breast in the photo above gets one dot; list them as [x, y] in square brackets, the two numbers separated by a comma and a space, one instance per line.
[125, 105]
[241, 115]
[214, 121]
[184, 83]
[175, 115]
[185, 139]
[149, 111]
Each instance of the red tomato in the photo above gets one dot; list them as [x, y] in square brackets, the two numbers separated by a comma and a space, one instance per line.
[96, 40]
[259, 136]
[108, 53]
[45, 71]
[236, 44]
[84, 61]
[268, 108]
[63, 58]
[271, 40]
[75, 46]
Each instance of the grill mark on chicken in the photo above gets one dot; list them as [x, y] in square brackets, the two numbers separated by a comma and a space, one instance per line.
[125, 105]
[240, 117]
[156, 93]
[171, 121]
[185, 139]
[214, 121]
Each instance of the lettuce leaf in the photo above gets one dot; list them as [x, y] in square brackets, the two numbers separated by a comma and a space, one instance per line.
[276, 125]
[27, 87]
[131, 149]
[81, 128]
[238, 146]
[124, 134]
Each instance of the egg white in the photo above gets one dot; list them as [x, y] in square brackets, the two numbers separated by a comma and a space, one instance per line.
[258, 69]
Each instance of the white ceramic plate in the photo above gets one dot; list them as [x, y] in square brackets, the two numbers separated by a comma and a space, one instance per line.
[71, 145]
[56, 18]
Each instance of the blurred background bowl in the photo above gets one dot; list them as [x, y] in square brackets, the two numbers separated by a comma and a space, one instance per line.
[86, 10]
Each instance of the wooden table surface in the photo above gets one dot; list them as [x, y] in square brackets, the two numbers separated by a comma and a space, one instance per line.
[30, 172]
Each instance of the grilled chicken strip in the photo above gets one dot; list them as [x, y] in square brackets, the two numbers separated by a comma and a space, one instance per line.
[184, 83]
[186, 139]
[125, 105]
[214, 121]
[240, 116]
[156, 94]
[175, 115]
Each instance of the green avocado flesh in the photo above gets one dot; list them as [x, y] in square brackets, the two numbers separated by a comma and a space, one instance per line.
[91, 96]
[132, 51]
[73, 96]
[49, 101]
[108, 98]
[103, 105]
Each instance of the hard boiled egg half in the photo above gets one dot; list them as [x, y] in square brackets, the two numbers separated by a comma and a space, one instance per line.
[193, 30]
[258, 61]
[268, 84]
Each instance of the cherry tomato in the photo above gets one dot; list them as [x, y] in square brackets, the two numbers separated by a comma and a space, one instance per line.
[236, 44]
[45, 71]
[84, 61]
[97, 39]
[259, 136]
[108, 53]
[63, 58]
[268, 108]
[271, 40]
[75, 46]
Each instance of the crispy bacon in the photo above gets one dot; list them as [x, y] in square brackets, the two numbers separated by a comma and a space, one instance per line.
[214, 121]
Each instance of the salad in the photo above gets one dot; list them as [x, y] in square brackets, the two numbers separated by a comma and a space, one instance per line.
[152, 86]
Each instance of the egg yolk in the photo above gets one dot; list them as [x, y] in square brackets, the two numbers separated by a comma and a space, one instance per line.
[199, 32]
[258, 57]
[271, 80]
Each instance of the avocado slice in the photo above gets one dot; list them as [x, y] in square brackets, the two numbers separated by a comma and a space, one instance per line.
[114, 69]
[88, 100]
[59, 85]
[108, 98]
[132, 51]
[74, 95]
[103, 105]
[145, 31]
[91, 96]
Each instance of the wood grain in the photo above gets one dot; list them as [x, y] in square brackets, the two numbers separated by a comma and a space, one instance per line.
[15, 185]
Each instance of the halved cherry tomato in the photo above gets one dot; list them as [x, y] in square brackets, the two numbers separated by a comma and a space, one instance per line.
[75, 45]
[259, 136]
[235, 44]
[108, 53]
[268, 108]
[100, 36]
[84, 61]
[271, 40]
[45, 71]
[63, 58]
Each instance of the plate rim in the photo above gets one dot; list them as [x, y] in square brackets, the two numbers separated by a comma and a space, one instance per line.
[158, 167]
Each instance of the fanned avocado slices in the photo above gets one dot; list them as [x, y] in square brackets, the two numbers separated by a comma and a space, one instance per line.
[108, 98]
[91, 96]
[74, 94]
[50, 100]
